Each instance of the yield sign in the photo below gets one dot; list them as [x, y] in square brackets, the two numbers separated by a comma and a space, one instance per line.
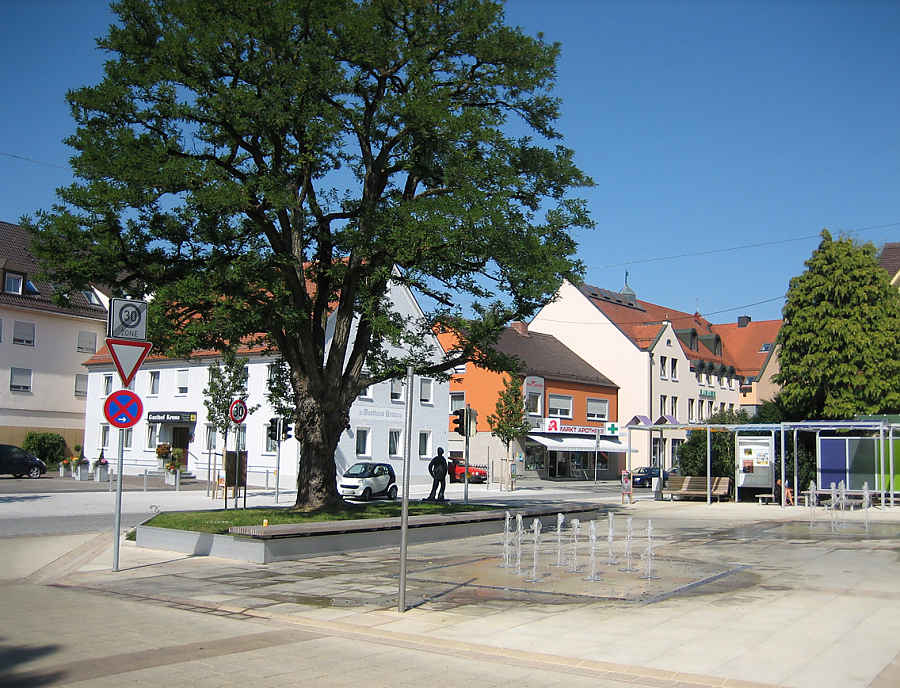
[128, 355]
[123, 408]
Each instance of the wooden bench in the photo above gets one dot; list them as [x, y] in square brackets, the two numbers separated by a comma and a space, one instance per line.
[695, 486]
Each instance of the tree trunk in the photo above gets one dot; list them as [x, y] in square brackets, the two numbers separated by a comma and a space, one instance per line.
[318, 429]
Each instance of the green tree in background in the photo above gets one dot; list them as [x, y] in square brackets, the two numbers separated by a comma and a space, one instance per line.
[510, 422]
[840, 341]
[692, 454]
[227, 382]
[270, 167]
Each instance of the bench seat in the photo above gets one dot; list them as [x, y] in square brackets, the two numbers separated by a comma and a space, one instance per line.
[683, 486]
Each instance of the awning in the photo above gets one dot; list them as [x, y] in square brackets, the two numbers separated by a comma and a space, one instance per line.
[578, 444]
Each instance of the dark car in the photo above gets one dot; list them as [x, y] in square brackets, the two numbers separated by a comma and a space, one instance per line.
[457, 472]
[366, 479]
[643, 477]
[19, 462]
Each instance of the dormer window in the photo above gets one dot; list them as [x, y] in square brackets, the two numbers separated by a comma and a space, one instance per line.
[765, 347]
[13, 283]
[91, 297]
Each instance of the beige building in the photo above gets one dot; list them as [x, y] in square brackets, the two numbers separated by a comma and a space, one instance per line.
[43, 347]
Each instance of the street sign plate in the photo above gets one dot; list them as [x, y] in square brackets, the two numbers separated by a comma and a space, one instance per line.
[128, 356]
[127, 319]
[238, 411]
[123, 408]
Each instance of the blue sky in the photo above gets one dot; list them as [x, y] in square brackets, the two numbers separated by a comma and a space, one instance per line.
[707, 125]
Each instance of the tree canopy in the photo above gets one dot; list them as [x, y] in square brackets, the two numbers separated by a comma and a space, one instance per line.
[268, 167]
[840, 341]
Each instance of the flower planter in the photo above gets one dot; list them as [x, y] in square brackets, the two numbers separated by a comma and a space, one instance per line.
[65, 471]
[161, 463]
[81, 473]
[170, 478]
[101, 474]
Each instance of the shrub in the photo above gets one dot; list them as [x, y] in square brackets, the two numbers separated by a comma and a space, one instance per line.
[50, 447]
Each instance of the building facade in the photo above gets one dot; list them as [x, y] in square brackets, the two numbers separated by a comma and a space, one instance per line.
[43, 347]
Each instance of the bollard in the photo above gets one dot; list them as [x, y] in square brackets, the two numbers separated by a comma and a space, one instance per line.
[110, 480]
[145, 480]
[267, 478]
[177, 481]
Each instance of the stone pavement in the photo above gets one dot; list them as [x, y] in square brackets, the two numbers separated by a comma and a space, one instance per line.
[747, 595]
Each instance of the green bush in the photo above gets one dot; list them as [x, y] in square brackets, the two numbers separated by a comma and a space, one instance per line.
[50, 447]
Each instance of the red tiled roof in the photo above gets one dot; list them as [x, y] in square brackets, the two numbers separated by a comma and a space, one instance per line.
[890, 258]
[744, 345]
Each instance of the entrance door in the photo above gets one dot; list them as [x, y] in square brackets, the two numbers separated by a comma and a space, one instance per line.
[181, 438]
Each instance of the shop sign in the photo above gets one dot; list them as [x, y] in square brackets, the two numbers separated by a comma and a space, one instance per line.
[550, 425]
[708, 393]
[171, 417]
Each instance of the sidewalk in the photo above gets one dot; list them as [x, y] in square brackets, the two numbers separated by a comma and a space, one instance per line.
[746, 595]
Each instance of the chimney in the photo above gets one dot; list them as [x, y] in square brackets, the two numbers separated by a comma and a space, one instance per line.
[743, 320]
[520, 328]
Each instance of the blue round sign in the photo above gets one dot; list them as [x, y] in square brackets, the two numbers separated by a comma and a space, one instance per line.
[123, 409]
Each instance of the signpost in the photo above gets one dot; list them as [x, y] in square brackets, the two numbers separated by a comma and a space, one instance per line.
[238, 414]
[123, 409]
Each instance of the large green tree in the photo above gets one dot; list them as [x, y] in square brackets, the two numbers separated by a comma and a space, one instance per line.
[840, 341]
[269, 166]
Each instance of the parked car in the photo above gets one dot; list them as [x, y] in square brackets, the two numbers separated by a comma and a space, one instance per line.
[643, 477]
[366, 479]
[19, 462]
[457, 472]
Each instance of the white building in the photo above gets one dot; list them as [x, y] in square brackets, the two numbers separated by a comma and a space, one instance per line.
[666, 363]
[174, 413]
[43, 347]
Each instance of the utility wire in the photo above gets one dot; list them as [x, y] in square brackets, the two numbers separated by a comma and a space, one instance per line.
[735, 248]
[36, 162]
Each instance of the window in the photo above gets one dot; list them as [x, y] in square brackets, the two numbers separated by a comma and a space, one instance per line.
[396, 389]
[662, 404]
[23, 333]
[709, 408]
[691, 418]
[13, 284]
[362, 441]
[674, 374]
[1, 329]
[107, 385]
[271, 446]
[81, 382]
[457, 401]
[126, 438]
[533, 404]
[394, 443]
[674, 407]
[104, 436]
[209, 443]
[765, 347]
[597, 409]
[91, 297]
[153, 383]
[240, 438]
[559, 406]
[152, 435]
[181, 382]
[87, 342]
[20, 379]
[663, 362]
[676, 445]
[658, 451]
[365, 393]
[426, 388]
[424, 444]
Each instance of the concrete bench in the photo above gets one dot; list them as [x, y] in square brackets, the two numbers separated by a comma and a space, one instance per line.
[766, 498]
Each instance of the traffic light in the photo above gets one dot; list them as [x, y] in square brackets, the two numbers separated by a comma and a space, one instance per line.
[472, 425]
[285, 429]
[273, 429]
[459, 422]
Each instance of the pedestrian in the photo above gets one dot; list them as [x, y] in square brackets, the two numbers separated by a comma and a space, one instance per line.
[438, 470]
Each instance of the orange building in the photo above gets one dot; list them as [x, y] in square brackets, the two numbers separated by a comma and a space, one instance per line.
[571, 407]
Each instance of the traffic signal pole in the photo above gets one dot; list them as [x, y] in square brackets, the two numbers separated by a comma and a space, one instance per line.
[466, 470]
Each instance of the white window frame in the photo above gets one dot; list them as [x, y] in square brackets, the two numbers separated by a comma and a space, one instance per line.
[397, 450]
[87, 342]
[21, 336]
[673, 372]
[104, 436]
[364, 433]
[182, 375]
[270, 446]
[537, 408]
[240, 437]
[127, 438]
[210, 438]
[17, 381]
[107, 387]
[424, 445]
[674, 407]
[398, 387]
[81, 390]
[599, 414]
[457, 401]
[663, 363]
[366, 393]
[153, 381]
[152, 436]
[663, 402]
[9, 285]
[426, 391]
[559, 406]
[691, 418]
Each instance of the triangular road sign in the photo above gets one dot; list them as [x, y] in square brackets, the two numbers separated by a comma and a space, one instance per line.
[128, 355]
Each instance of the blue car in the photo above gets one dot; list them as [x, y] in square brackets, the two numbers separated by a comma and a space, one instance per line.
[643, 477]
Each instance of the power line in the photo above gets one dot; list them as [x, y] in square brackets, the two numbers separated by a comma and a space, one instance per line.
[735, 248]
[36, 162]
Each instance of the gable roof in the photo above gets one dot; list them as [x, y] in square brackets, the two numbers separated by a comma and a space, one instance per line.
[16, 256]
[890, 260]
[750, 345]
[545, 356]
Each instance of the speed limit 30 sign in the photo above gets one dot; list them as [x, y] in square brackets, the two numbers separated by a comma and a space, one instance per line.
[238, 411]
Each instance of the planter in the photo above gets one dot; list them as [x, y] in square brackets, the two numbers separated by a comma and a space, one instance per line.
[101, 474]
[65, 471]
[161, 463]
[81, 473]
[170, 478]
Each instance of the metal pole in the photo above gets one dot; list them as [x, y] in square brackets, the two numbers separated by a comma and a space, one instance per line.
[881, 454]
[783, 476]
[404, 514]
[278, 460]
[117, 524]
[891, 440]
[709, 468]
[208, 469]
[466, 473]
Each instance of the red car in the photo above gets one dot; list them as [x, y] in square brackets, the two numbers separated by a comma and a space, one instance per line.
[457, 471]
